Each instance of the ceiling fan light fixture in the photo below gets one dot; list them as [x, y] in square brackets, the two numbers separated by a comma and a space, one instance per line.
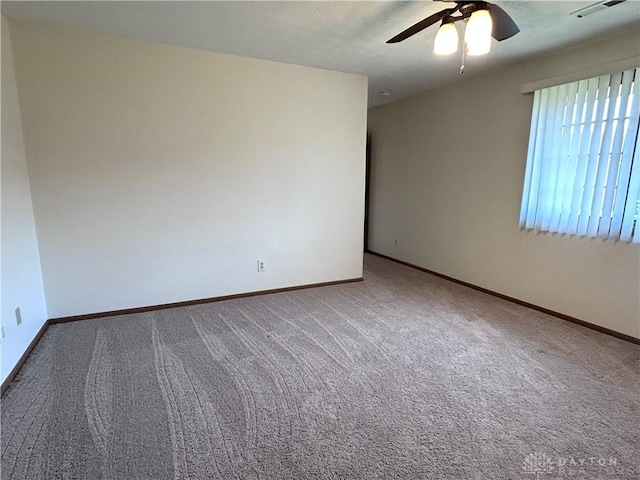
[477, 35]
[446, 41]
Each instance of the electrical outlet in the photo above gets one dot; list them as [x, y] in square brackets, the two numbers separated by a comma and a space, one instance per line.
[262, 265]
[18, 316]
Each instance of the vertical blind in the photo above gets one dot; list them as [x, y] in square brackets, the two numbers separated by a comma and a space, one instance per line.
[582, 176]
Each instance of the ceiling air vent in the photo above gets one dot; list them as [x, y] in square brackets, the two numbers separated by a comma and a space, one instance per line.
[596, 7]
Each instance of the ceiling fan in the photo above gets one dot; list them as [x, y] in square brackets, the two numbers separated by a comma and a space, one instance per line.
[483, 20]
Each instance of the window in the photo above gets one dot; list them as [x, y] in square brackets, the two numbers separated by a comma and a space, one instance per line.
[582, 174]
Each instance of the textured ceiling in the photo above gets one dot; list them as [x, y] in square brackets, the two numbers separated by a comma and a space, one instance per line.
[343, 36]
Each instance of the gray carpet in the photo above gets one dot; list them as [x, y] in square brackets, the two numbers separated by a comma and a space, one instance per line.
[402, 376]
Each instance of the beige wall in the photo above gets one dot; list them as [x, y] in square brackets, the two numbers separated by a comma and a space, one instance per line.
[161, 174]
[447, 176]
[20, 261]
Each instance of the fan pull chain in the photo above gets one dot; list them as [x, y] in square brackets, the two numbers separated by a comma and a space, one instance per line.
[464, 51]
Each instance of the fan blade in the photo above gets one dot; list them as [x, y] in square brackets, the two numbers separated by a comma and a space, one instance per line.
[503, 25]
[421, 25]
